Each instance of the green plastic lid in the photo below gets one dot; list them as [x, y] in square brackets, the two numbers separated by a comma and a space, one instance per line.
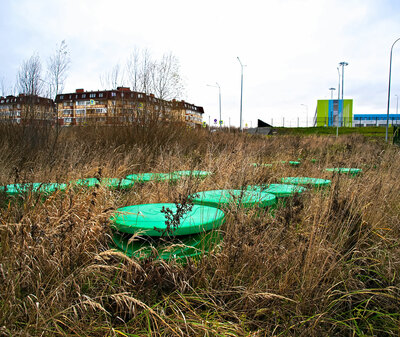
[197, 174]
[294, 163]
[148, 220]
[279, 190]
[223, 198]
[345, 170]
[261, 165]
[315, 182]
[46, 188]
[112, 183]
[147, 177]
[181, 247]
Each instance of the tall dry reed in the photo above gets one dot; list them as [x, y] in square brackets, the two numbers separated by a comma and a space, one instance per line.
[326, 264]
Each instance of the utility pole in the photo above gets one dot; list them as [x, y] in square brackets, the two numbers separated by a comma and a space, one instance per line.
[388, 103]
[219, 96]
[343, 64]
[241, 92]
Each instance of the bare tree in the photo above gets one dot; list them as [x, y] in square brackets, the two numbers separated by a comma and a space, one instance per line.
[132, 69]
[3, 88]
[160, 77]
[29, 76]
[145, 70]
[57, 68]
[112, 79]
[166, 80]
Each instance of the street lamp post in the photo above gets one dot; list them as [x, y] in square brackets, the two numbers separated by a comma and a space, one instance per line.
[338, 94]
[332, 89]
[241, 92]
[397, 108]
[219, 96]
[390, 77]
[343, 64]
[306, 114]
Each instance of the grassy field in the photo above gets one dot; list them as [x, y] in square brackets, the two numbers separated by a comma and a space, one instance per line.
[370, 131]
[327, 264]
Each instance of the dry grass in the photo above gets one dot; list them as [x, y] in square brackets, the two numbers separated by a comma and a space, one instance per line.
[327, 264]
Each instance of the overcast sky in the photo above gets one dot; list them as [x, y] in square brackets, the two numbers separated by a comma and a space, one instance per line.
[291, 48]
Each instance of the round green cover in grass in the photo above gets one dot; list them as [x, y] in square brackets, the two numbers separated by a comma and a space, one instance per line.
[148, 220]
[197, 174]
[181, 247]
[345, 170]
[294, 163]
[112, 183]
[147, 177]
[45, 188]
[261, 165]
[279, 190]
[315, 182]
[223, 198]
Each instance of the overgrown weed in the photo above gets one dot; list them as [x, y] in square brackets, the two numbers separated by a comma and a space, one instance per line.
[326, 264]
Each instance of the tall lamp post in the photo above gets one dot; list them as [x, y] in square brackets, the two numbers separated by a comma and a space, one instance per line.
[343, 64]
[219, 96]
[338, 93]
[306, 113]
[390, 77]
[332, 89]
[397, 108]
[241, 92]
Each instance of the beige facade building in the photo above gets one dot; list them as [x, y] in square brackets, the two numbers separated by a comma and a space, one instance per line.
[26, 109]
[121, 106]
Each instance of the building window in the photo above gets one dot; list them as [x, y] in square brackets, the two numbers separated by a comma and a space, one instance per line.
[100, 94]
[92, 95]
[83, 95]
[61, 96]
[113, 94]
[67, 112]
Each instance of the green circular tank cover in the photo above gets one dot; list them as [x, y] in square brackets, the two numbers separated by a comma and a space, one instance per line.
[147, 177]
[148, 219]
[345, 170]
[180, 247]
[279, 190]
[223, 198]
[46, 188]
[261, 165]
[197, 174]
[316, 182]
[112, 183]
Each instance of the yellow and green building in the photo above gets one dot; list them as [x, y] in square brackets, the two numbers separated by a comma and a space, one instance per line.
[334, 112]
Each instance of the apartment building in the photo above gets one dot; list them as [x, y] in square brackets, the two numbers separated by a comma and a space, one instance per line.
[26, 109]
[121, 106]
